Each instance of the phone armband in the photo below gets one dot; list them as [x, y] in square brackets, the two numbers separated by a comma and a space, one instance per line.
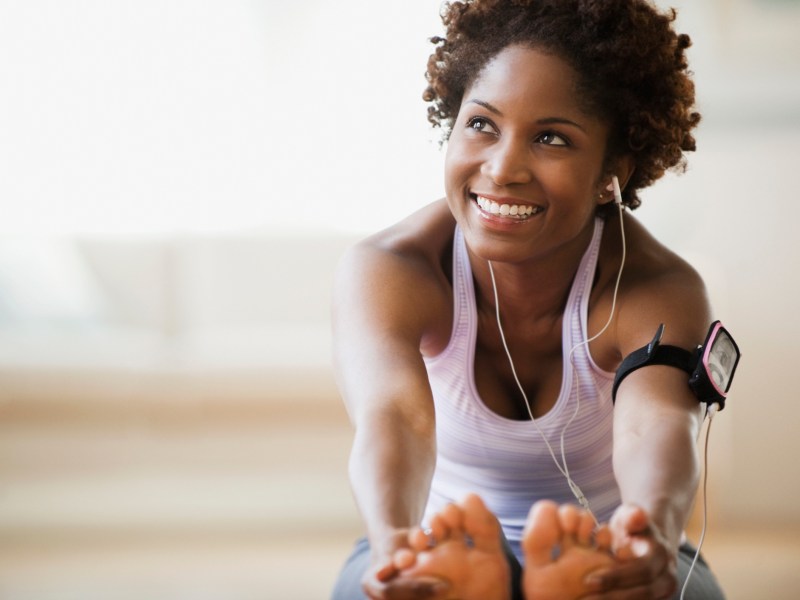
[710, 366]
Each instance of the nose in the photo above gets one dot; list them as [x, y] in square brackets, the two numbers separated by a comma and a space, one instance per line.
[508, 162]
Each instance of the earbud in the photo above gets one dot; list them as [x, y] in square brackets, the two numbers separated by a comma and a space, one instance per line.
[615, 188]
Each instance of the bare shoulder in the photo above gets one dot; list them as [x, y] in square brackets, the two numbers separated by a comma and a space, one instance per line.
[395, 282]
[658, 286]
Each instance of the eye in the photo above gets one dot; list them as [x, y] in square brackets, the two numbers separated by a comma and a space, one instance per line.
[481, 124]
[551, 138]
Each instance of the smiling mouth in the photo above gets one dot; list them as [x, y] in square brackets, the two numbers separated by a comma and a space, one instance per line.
[520, 212]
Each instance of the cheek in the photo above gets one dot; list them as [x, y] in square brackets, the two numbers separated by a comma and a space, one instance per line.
[572, 180]
[455, 168]
[462, 153]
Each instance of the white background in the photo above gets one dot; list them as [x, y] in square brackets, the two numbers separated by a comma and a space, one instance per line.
[197, 116]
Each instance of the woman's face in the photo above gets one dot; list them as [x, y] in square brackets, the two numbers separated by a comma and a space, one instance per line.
[524, 161]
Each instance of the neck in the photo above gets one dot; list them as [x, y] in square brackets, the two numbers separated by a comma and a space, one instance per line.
[532, 290]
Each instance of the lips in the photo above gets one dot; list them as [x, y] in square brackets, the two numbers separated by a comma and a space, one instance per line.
[518, 212]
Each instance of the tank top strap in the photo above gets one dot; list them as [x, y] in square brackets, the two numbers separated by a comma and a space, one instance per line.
[577, 309]
[464, 304]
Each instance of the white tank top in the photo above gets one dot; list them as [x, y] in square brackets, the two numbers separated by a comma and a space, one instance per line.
[505, 461]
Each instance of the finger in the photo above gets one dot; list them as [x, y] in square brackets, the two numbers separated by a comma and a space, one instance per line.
[385, 572]
[628, 521]
[405, 588]
[413, 588]
[404, 558]
[639, 572]
[373, 585]
[662, 588]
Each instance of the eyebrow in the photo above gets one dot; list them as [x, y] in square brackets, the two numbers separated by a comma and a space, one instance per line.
[545, 121]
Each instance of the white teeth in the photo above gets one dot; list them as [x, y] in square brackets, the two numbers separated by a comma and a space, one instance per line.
[515, 210]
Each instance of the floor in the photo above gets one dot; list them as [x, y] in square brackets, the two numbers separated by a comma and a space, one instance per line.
[749, 566]
[194, 503]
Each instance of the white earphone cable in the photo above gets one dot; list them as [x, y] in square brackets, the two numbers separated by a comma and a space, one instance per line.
[516, 378]
[586, 342]
[562, 466]
[712, 410]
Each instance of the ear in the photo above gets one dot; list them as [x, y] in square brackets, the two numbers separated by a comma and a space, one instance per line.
[623, 167]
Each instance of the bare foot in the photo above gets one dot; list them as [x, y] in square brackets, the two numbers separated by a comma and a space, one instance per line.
[561, 548]
[464, 548]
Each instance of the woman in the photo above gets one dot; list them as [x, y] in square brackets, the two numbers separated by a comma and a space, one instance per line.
[476, 341]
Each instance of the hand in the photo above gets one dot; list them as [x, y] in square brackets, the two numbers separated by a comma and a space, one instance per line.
[384, 579]
[646, 562]
[398, 587]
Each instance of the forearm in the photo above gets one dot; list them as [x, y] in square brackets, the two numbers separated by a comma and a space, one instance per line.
[657, 468]
[391, 466]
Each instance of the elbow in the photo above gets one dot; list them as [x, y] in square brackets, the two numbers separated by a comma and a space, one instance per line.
[393, 432]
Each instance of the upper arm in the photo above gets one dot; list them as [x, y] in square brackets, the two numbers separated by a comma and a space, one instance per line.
[675, 295]
[384, 304]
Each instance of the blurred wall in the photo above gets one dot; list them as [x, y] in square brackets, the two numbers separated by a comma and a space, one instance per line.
[732, 215]
[170, 167]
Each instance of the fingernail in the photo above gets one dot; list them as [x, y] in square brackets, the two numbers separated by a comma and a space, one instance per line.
[594, 580]
[610, 187]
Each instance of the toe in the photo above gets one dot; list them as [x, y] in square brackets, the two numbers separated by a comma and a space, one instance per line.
[480, 524]
[603, 538]
[419, 539]
[585, 529]
[453, 518]
[542, 533]
[439, 528]
[569, 516]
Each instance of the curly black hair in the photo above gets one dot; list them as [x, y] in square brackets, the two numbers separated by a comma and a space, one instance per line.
[631, 67]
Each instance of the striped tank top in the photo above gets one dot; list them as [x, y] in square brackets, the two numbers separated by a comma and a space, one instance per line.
[505, 461]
